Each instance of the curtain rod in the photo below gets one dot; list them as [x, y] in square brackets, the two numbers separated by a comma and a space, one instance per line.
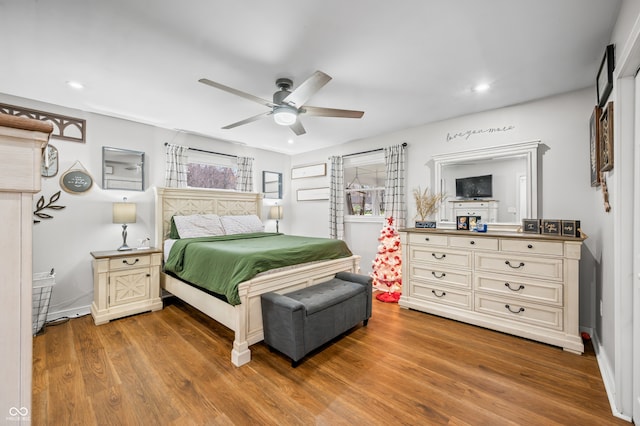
[208, 152]
[404, 144]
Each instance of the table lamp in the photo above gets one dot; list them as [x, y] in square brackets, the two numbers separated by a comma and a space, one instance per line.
[275, 212]
[124, 213]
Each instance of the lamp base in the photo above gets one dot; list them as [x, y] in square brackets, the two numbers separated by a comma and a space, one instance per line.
[124, 246]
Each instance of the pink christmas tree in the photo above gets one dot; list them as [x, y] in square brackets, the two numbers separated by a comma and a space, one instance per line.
[387, 266]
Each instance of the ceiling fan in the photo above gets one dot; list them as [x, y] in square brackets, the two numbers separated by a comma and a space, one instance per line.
[287, 105]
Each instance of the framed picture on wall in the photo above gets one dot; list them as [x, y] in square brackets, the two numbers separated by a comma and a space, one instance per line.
[604, 81]
[594, 131]
[606, 138]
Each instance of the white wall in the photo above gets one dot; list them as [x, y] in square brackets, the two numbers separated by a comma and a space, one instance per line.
[84, 225]
[561, 123]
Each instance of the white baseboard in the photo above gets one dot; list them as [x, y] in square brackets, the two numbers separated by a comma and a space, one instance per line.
[69, 313]
[608, 377]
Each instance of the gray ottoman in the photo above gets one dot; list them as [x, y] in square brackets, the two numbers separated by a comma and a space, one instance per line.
[296, 323]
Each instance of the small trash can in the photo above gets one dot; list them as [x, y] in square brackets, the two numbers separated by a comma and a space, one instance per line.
[43, 283]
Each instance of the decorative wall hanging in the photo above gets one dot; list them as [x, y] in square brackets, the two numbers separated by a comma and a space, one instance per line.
[66, 128]
[594, 130]
[606, 138]
[40, 206]
[605, 193]
[312, 194]
[309, 171]
[604, 81]
[49, 165]
[76, 180]
[468, 133]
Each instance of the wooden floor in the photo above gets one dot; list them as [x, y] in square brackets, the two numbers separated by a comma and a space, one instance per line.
[406, 367]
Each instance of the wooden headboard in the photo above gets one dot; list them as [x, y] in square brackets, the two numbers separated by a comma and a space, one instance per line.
[186, 201]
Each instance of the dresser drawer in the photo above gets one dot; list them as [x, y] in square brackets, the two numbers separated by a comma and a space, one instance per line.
[524, 312]
[452, 277]
[427, 239]
[526, 266]
[442, 257]
[529, 246]
[129, 262]
[525, 289]
[470, 242]
[442, 295]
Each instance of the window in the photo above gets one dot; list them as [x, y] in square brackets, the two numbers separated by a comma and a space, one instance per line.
[211, 171]
[364, 177]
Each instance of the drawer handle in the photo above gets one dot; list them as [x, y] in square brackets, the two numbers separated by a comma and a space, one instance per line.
[512, 311]
[442, 274]
[508, 285]
[127, 263]
[529, 245]
[436, 256]
[472, 242]
[426, 239]
[436, 294]
[506, 262]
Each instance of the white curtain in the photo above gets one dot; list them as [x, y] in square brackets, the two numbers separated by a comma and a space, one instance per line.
[336, 199]
[176, 166]
[244, 181]
[394, 194]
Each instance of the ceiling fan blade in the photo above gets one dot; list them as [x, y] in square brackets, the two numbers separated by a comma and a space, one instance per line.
[248, 120]
[298, 128]
[237, 92]
[307, 89]
[331, 112]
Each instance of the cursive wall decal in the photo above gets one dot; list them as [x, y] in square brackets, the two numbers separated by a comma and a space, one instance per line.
[468, 133]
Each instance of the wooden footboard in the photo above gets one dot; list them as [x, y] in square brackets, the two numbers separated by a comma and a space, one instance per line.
[246, 319]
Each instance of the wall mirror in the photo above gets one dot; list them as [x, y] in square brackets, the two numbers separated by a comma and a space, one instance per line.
[272, 184]
[510, 196]
[122, 169]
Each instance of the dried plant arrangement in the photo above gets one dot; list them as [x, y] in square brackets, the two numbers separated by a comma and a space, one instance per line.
[427, 203]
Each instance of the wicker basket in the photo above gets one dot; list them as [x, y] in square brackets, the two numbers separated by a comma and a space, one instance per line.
[43, 283]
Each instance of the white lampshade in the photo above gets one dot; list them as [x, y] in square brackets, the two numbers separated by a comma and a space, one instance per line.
[285, 115]
[124, 213]
[275, 212]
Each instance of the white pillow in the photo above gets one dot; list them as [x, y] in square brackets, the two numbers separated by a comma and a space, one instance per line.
[242, 224]
[198, 225]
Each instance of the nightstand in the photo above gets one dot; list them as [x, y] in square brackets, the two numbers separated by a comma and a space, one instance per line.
[125, 283]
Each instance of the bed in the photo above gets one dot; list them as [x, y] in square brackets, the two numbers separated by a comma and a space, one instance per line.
[245, 318]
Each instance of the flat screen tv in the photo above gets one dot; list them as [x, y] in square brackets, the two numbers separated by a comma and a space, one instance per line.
[474, 187]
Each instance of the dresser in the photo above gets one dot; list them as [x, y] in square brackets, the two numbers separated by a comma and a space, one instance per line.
[21, 143]
[125, 283]
[486, 209]
[522, 284]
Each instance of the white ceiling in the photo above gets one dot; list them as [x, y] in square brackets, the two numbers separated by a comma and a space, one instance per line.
[405, 63]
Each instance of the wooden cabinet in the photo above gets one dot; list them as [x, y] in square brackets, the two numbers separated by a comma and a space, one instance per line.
[125, 283]
[522, 284]
[21, 144]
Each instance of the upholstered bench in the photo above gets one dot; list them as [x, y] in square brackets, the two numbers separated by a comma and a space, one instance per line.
[296, 323]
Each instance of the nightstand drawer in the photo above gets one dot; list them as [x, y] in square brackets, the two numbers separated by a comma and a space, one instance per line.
[129, 262]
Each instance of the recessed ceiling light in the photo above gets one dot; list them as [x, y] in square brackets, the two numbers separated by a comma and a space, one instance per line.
[481, 87]
[290, 141]
[75, 85]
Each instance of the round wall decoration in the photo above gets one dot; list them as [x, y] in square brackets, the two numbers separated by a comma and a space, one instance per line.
[76, 180]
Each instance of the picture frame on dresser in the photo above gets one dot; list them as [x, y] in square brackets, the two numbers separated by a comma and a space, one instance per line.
[551, 226]
[531, 226]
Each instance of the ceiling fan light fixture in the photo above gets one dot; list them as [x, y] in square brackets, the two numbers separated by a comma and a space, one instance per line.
[285, 115]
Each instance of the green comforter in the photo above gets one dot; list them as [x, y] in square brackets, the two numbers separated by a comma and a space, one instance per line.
[219, 264]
